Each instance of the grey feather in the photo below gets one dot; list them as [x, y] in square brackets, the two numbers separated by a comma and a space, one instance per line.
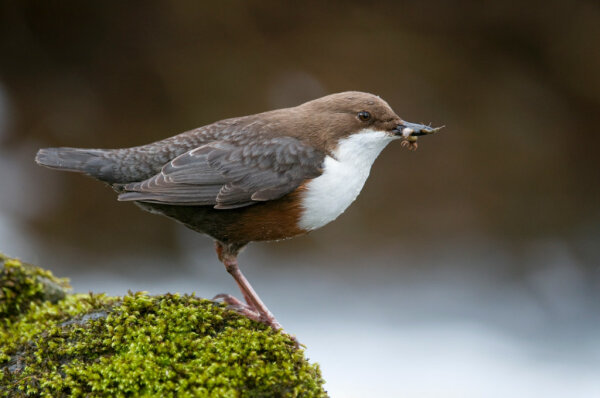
[94, 162]
[227, 175]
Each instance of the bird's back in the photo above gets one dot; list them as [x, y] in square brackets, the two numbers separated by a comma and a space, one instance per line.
[125, 165]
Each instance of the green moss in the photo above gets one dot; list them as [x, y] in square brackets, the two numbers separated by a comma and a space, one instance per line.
[22, 284]
[140, 345]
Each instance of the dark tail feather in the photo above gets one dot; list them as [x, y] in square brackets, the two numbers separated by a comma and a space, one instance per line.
[93, 162]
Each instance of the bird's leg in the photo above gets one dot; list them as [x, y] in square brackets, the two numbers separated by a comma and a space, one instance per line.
[254, 306]
[222, 253]
[251, 296]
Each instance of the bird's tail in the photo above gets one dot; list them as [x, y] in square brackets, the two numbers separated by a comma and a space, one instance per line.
[93, 162]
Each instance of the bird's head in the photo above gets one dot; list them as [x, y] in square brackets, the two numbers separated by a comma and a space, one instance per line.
[339, 116]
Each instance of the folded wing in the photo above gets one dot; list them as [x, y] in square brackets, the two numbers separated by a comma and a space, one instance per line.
[228, 175]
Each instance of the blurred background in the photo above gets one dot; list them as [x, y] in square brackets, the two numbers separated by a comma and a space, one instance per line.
[470, 268]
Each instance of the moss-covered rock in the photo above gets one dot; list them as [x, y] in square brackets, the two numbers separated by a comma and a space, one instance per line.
[59, 345]
[22, 284]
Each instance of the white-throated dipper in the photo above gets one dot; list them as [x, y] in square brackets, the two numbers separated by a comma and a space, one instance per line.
[262, 177]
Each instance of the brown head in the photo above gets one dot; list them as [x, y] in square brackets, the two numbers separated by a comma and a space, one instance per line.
[323, 122]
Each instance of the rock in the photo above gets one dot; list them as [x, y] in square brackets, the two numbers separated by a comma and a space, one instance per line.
[57, 344]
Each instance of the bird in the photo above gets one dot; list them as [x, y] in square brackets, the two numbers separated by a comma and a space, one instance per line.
[263, 177]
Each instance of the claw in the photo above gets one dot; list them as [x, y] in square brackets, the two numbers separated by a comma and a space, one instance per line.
[237, 306]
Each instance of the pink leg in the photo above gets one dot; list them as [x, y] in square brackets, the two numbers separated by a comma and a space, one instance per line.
[255, 307]
[221, 254]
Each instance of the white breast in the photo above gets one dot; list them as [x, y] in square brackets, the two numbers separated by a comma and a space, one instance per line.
[328, 195]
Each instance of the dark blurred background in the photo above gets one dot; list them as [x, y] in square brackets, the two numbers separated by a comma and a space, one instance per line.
[490, 232]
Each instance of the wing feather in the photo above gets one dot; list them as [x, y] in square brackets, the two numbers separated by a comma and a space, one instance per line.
[226, 175]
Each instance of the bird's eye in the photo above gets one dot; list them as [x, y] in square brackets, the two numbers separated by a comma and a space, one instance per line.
[364, 116]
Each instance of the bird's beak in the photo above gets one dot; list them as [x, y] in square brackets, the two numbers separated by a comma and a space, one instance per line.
[406, 130]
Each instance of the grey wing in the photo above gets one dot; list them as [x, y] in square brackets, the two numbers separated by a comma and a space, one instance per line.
[226, 175]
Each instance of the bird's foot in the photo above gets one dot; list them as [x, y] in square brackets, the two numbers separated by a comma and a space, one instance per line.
[248, 310]
[236, 305]
[252, 313]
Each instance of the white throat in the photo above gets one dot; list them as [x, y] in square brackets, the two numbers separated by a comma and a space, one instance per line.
[328, 195]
